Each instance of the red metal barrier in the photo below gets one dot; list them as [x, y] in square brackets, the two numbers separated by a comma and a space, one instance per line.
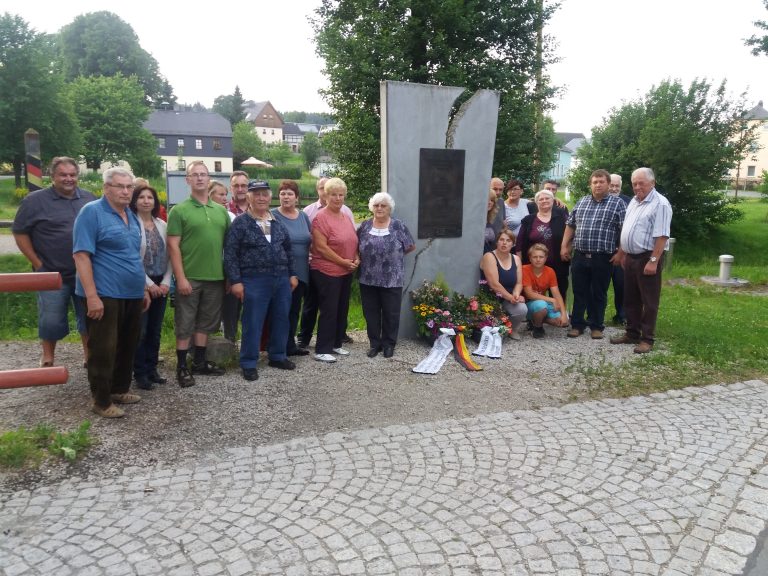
[30, 281]
[33, 377]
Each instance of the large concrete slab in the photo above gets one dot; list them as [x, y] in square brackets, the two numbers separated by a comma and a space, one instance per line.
[416, 116]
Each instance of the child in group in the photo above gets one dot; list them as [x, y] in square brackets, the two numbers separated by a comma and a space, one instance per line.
[537, 280]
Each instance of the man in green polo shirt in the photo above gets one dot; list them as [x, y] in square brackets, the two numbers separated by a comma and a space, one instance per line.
[196, 230]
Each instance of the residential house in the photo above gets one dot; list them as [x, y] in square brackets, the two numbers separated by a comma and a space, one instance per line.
[749, 170]
[184, 136]
[565, 160]
[294, 133]
[267, 121]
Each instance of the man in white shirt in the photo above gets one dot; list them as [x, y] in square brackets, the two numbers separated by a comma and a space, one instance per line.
[644, 238]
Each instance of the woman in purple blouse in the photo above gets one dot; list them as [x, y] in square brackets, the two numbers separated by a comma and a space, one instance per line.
[383, 242]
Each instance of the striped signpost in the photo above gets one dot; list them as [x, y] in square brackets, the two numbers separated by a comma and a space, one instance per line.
[34, 164]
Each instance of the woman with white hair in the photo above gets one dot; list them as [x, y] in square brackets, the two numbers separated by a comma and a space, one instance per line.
[383, 243]
[547, 227]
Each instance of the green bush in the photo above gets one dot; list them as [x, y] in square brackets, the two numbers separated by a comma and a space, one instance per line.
[277, 173]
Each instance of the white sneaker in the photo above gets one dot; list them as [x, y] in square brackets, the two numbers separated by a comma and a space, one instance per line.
[325, 358]
[341, 351]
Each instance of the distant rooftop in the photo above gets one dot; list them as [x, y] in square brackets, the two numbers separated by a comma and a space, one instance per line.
[173, 122]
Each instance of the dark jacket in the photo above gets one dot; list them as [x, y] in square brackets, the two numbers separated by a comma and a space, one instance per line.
[557, 225]
[248, 253]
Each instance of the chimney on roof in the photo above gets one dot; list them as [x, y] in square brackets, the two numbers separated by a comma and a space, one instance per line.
[760, 103]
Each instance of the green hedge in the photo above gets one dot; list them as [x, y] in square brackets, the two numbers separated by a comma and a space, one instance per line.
[278, 173]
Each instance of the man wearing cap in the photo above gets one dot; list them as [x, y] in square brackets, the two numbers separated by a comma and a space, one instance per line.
[196, 230]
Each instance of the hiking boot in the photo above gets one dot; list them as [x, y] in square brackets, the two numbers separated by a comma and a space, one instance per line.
[643, 348]
[207, 368]
[596, 334]
[184, 378]
[574, 332]
[538, 332]
[624, 339]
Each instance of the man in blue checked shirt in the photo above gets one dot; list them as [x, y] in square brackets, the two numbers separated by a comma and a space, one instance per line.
[590, 242]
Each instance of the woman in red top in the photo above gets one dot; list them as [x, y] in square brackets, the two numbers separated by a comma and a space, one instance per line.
[334, 259]
[537, 280]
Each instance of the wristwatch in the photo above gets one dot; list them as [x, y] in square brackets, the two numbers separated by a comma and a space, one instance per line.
[652, 259]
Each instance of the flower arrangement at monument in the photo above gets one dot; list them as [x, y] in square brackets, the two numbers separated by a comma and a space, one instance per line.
[435, 307]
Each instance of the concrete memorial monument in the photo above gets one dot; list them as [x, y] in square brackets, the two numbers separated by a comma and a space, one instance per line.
[436, 163]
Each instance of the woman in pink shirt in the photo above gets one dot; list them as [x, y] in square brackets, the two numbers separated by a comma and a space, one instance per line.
[334, 259]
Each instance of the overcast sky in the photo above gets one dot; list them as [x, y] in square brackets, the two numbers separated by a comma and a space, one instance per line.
[611, 50]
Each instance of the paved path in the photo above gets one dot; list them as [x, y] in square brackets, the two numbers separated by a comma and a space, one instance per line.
[8, 244]
[672, 484]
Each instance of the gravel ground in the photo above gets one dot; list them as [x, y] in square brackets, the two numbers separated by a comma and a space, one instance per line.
[171, 425]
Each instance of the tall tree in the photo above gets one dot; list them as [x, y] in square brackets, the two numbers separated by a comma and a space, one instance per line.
[110, 111]
[231, 106]
[471, 43]
[245, 143]
[759, 44]
[690, 137]
[32, 96]
[102, 44]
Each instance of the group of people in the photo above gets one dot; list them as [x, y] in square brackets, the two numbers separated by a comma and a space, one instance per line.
[239, 260]
[532, 248]
[230, 261]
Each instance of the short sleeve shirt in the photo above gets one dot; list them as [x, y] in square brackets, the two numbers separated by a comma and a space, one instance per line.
[202, 228]
[539, 284]
[114, 246]
[340, 235]
[48, 218]
[598, 224]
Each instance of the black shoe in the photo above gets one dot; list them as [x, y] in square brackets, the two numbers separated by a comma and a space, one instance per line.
[143, 383]
[207, 368]
[155, 378]
[538, 332]
[303, 344]
[373, 352]
[282, 364]
[299, 352]
[250, 374]
[184, 378]
[389, 351]
[347, 339]
[619, 321]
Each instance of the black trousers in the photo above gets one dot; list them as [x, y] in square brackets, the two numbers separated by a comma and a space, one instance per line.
[112, 343]
[333, 304]
[293, 316]
[308, 313]
[381, 308]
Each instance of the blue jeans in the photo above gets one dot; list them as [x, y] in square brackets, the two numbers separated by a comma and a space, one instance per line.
[590, 278]
[145, 359]
[265, 295]
[52, 306]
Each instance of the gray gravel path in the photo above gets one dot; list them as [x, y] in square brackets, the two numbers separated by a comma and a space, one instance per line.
[674, 484]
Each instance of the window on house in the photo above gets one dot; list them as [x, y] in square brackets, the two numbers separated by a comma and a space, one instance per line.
[263, 130]
[161, 142]
[273, 132]
[180, 142]
[198, 144]
[217, 166]
[750, 171]
[217, 143]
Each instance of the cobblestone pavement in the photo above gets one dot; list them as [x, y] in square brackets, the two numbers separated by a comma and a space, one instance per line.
[673, 484]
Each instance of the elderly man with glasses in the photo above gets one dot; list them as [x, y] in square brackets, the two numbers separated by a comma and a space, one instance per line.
[106, 248]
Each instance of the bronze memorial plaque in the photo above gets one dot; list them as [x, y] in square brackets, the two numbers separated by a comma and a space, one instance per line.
[441, 193]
